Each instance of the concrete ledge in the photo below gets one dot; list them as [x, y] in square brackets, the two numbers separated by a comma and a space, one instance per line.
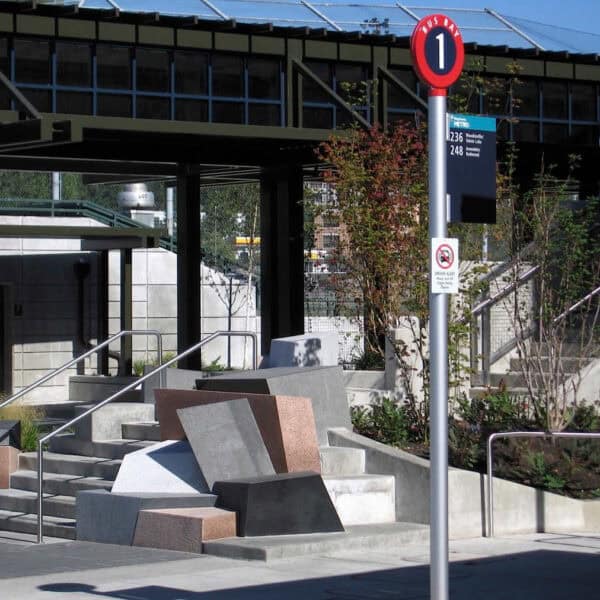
[183, 529]
[517, 508]
[93, 389]
[106, 422]
[112, 518]
[390, 536]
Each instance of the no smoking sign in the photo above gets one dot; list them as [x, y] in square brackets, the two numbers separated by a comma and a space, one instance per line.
[444, 266]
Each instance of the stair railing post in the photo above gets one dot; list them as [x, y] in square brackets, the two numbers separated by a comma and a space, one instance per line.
[486, 343]
[40, 491]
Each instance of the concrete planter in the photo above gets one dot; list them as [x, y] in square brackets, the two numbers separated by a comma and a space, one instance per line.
[517, 508]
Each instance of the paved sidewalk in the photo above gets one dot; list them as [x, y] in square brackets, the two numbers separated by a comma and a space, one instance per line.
[532, 567]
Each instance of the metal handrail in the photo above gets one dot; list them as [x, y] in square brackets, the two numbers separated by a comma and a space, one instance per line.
[576, 305]
[513, 434]
[159, 369]
[511, 287]
[77, 359]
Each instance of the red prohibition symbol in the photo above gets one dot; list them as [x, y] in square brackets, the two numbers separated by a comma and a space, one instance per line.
[438, 53]
[444, 256]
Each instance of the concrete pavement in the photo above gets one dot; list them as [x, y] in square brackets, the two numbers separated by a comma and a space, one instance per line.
[532, 567]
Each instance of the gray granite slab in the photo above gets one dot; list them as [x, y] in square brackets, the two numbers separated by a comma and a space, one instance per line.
[226, 440]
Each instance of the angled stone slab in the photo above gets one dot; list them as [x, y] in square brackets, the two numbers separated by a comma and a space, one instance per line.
[168, 466]
[282, 504]
[226, 440]
[111, 518]
[10, 433]
[323, 385]
[286, 424]
[306, 350]
[183, 529]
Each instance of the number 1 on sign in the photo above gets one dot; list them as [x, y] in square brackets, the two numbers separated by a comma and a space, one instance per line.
[441, 57]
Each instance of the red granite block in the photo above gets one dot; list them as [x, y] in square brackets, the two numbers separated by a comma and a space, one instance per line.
[286, 424]
[9, 460]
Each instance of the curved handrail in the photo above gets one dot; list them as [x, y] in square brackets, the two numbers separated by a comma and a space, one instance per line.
[74, 361]
[159, 369]
[514, 434]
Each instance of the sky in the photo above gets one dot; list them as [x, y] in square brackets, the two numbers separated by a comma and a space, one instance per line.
[582, 15]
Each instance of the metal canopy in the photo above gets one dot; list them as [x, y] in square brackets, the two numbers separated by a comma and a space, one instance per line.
[92, 238]
[370, 17]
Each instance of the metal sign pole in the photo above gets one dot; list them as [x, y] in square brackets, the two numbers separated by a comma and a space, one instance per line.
[438, 349]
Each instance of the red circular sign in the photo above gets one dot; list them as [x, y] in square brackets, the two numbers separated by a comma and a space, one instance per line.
[438, 53]
[444, 256]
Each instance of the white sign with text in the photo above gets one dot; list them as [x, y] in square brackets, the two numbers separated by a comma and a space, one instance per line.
[444, 266]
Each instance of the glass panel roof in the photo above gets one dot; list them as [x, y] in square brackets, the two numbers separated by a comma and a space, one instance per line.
[559, 39]
[367, 16]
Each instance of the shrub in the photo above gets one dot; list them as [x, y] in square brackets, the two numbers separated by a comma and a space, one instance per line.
[29, 416]
[384, 421]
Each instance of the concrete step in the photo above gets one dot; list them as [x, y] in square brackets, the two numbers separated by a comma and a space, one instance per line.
[141, 431]
[71, 464]
[388, 536]
[367, 396]
[342, 461]
[363, 499]
[23, 501]
[365, 379]
[115, 449]
[57, 483]
[570, 364]
[27, 523]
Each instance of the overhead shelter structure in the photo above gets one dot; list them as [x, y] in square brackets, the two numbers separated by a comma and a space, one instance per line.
[214, 91]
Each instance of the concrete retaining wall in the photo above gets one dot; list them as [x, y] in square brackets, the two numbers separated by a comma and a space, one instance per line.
[517, 508]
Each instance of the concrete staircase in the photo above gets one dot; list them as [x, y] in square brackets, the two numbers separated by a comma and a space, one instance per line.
[514, 381]
[71, 465]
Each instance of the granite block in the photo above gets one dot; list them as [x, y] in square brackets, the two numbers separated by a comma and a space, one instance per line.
[323, 385]
[183, 529]
[10, 433]
[305, 350]
[225, 440]
[9, 463]
[286, 424]
[111, 518]
[282, 504]
[168, 466]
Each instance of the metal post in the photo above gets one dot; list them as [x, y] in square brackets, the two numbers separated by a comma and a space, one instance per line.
[56, 190]
[170, 195]
[40, 498]
[438, 332]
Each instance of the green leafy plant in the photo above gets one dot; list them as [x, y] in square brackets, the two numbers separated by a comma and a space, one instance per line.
[384, 421]
[29, 417]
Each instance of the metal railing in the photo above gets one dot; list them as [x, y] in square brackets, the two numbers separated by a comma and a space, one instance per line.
[158, 370]
[515, 434]
[77, 359]
[483, 310]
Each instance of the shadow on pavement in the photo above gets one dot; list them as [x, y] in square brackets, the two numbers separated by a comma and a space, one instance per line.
[538, 575]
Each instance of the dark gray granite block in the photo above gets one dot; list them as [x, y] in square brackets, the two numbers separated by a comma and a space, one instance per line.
[323, 385]
[226, 440]
[282, 504]
[111, 518]
[10, 433]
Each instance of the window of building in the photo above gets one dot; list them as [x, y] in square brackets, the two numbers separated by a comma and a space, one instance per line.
[152, 70]
[330, 240]
[264, 78]
[227, 76]
[191, 73]
[583, 102]
[331, 220]
[73, 64]
[527, 100]
[32, 61]
[113, 66]
[556, 100]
